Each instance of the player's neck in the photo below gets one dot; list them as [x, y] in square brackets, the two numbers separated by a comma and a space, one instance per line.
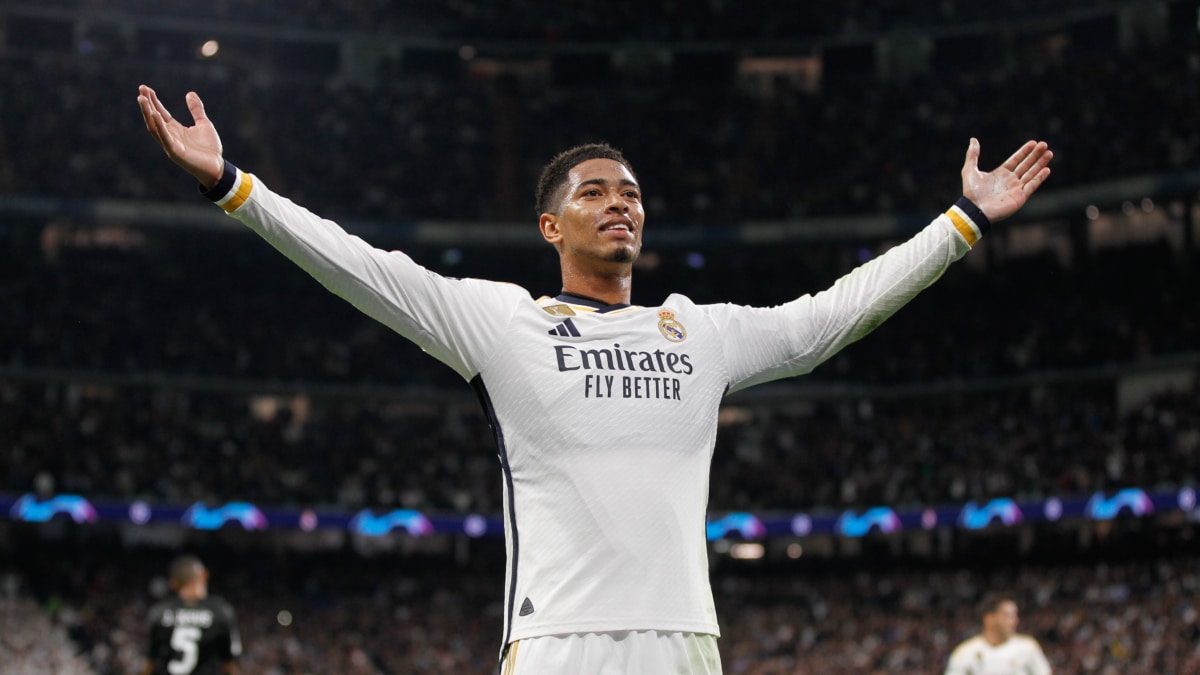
[994, 639]
[192, 593]
[613, 285]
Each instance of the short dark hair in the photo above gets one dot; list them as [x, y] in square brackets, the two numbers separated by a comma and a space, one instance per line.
[992, 601]
[183, 569]
[553, 180]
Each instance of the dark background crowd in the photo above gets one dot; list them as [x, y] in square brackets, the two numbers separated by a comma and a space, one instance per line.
[1123, 604]
[177, 447]
[433, 131]
[589, 21]
[224, 304]
[143, 356]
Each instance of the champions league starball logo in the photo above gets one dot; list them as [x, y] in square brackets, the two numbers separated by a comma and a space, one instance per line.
[33, 510]
[880, 518]
[413, 522]
[1133, 501]
[247, 515]
[746, 525]
[1004, 511]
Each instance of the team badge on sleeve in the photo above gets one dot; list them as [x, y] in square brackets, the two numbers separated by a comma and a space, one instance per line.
[669, 327]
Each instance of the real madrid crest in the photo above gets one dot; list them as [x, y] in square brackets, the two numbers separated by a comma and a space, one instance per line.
[669, 327]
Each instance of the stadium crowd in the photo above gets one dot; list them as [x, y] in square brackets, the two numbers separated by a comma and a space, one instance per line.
[135, 366]
[468, 147]
[587, 22]
[313, 614]
[35, 641]
[184, 303]
[173, 446]
[181, 365]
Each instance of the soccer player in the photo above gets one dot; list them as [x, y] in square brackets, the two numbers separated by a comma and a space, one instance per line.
[604, 412]
[998, 649]
[192, 632]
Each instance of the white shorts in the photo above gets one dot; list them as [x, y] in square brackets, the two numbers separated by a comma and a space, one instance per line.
[629, 652]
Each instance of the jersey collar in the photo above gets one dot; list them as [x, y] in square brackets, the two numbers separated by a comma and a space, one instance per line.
[598, 305]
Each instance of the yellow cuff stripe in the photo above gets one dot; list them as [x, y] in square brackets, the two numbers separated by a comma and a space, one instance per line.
[964, 227]
[239, 194]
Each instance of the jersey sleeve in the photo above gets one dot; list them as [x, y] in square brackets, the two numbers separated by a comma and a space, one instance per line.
[1038, 663]
[454, 320]
[959, 661]
[765, 344]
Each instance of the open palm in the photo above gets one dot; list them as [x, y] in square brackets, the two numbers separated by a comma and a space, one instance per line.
[196, 148]
[1001, 192]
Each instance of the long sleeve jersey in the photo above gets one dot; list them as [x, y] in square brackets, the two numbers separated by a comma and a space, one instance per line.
[605, 416]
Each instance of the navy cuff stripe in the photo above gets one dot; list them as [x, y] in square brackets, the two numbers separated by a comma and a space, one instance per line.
[224, 185]
[968, 207]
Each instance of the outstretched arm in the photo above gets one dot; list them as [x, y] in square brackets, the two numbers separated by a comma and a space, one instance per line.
[767, 344]
[454, 320]
[196, 148]
[1002, 192]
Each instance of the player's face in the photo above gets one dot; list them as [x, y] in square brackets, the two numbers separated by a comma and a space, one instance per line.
[1004, 619]
[601, 218]
[202, 583]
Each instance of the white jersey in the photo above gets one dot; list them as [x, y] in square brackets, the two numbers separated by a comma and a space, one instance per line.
[1019, 655]
[605, 416]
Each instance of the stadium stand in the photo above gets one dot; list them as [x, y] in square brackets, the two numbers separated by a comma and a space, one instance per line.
[1122, 605]
[174, 446]
[470, 143]
[222, 305]
[157, 361]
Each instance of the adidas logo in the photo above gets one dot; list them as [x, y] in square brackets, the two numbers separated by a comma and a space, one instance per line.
[565, 329]
[526, 608]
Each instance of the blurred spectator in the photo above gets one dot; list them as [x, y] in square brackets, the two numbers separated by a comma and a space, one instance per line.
[435, 141]
[167, 445]
[1135, 616]
[32, 642]
[220, 304]
[448, 142]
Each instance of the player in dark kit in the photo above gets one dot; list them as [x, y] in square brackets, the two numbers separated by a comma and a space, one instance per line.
[192, 633]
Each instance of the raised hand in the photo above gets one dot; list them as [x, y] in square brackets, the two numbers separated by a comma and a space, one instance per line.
[1002, 192]
[196, 148]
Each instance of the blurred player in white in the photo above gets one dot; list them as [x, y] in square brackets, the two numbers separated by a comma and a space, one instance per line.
[998, 649]
[604, 412]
